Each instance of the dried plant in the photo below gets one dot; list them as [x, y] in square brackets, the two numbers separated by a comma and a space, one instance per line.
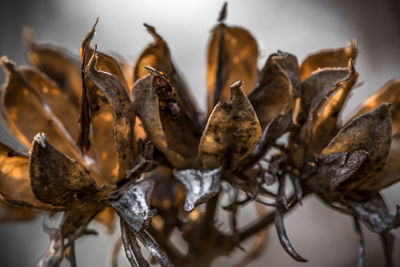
[151, 156]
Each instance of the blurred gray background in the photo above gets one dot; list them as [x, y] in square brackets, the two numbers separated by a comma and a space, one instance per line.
[323, 236]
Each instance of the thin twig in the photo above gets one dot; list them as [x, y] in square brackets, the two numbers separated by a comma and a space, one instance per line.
[262, 222]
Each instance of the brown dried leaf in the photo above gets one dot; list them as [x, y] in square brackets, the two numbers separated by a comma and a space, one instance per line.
[57, 179]
[325, 124]
[279, 81]
[328, 58]
[122, 112]
[389, 92]
[101, 120]
[315, 92]
[57, 63]
[105, 63]
[27, 113]
[165, 122]
[320, 85]
[96, 111]
[56, 99]
[390, 173]
[200, 185]
[157, 55]
[231, 133]
[370, 132]
[132, 203]
[231, 55]
[15, 185]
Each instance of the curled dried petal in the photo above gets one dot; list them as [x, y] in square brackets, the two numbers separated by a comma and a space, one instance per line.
[165, 122]
[316, 90]
[97, 112]
[279, 81]
[320, 85]
[122, 112]
[104, 62]
[231, 133]
[328, 58]
[325, 125]
[157, 55]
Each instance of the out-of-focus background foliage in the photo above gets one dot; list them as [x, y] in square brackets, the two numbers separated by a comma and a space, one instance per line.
[323, 236]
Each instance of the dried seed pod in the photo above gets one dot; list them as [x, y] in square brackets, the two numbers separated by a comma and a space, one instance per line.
[57, 63]
[57, 100]
[158, 56]
[231, 55]
[97, 112]
[27, 114]
[315, 89]
[15, 185]
[320, 85]
[122, 112]
[279, 83]
[390, 93]
[370, 132]
[334, 169]
[328, 58]
[165, 122]
[390, 173]
[231, 133]
[57, 179]
[325, 122]
[104, 62]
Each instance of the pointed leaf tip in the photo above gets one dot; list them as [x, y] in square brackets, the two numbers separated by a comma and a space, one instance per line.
[223, 12]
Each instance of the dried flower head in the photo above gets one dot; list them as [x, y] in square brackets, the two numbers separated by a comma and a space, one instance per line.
[106, 138]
